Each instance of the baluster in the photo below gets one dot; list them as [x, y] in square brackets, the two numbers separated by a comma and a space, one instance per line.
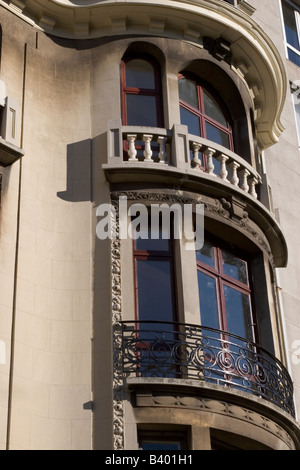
[253, 182]
[148, 151]
[162, 155]
[210, 164]
[244, 185]
[196, 162]
[132, 152]
[223, 169]
[234, 178]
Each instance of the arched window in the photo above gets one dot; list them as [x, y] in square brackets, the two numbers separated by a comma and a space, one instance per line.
[141, 92]
[203, 112]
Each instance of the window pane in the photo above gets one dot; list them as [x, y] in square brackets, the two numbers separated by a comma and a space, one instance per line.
[216, 135]
[208, 301]
[140, 74]
[191, 120]
[294, 57]
[206, 254]
[238, 313]
[155, 293]
[141, 110]
[212, 109]
[290, 25]
[234, 267]
[188, 92]
[149, 242]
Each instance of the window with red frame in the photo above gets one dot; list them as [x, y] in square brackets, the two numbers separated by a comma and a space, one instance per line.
[141, 92]
[204, 113]
[224, 291]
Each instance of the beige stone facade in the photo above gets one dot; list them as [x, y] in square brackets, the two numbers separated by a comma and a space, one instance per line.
[67, 298]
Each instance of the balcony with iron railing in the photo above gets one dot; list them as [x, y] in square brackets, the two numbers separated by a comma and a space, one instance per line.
[206, 356]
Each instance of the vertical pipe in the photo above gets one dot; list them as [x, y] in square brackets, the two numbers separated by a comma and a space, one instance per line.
[12, 343]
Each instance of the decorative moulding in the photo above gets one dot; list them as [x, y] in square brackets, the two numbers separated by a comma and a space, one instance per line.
[188, 20]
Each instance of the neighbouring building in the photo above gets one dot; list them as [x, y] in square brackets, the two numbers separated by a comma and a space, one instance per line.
[127, 128]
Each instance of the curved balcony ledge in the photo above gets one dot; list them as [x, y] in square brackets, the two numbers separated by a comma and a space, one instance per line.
[170, 158]
[175, 354]
[197, 395]
[252, 55]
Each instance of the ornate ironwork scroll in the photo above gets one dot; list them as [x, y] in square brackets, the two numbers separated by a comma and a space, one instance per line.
[175, 350]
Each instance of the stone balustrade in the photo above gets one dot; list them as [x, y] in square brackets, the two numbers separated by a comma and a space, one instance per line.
[178, 149]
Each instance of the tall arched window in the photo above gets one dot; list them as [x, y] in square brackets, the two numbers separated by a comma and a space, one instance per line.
[141, 92]
[203, 112]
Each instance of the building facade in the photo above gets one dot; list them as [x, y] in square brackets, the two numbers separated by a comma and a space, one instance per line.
[149, 258]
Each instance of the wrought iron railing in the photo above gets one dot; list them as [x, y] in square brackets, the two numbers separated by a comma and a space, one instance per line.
[174, 350]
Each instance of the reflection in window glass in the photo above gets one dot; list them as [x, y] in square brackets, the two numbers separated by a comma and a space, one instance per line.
[202, 114]
[206, 254]
[212, 109]
[188, 92]
[191, 120]
[141, 110]
[155, 276]
[209, 310]
[238, 313]
[217, 135]
[140, 74]
[291, 19]
[234, 267]
[290, 23]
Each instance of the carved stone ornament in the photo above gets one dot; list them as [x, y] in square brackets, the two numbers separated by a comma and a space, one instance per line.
[213, 406]
[118, 412]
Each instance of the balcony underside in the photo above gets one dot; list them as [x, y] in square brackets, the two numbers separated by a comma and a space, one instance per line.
[244, 208]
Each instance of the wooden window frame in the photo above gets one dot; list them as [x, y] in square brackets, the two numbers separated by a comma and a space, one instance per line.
[147, 255]
[156, 92]
[223, 279]
[200, 112]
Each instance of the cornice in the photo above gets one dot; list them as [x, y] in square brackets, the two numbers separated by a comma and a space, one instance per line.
[254, 57]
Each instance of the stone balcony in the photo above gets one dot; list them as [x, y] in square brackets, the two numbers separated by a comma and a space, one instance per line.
[145, 157]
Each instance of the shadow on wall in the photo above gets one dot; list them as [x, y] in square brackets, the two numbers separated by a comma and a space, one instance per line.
[84, 166]
[86, 182]
[79, 172]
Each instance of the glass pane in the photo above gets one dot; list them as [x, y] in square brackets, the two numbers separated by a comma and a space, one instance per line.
[294, 57]
[290, 25]
[149, 242]
[141, 110]
[216, 135]
[188, 92]
[238, 312]
[208, 301]
[191, 120]
[140, 74]
[206, 254]
[212, 109]
[234, 267]
[155, 293]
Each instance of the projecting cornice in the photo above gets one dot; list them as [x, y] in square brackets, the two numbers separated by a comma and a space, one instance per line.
[253, 56]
